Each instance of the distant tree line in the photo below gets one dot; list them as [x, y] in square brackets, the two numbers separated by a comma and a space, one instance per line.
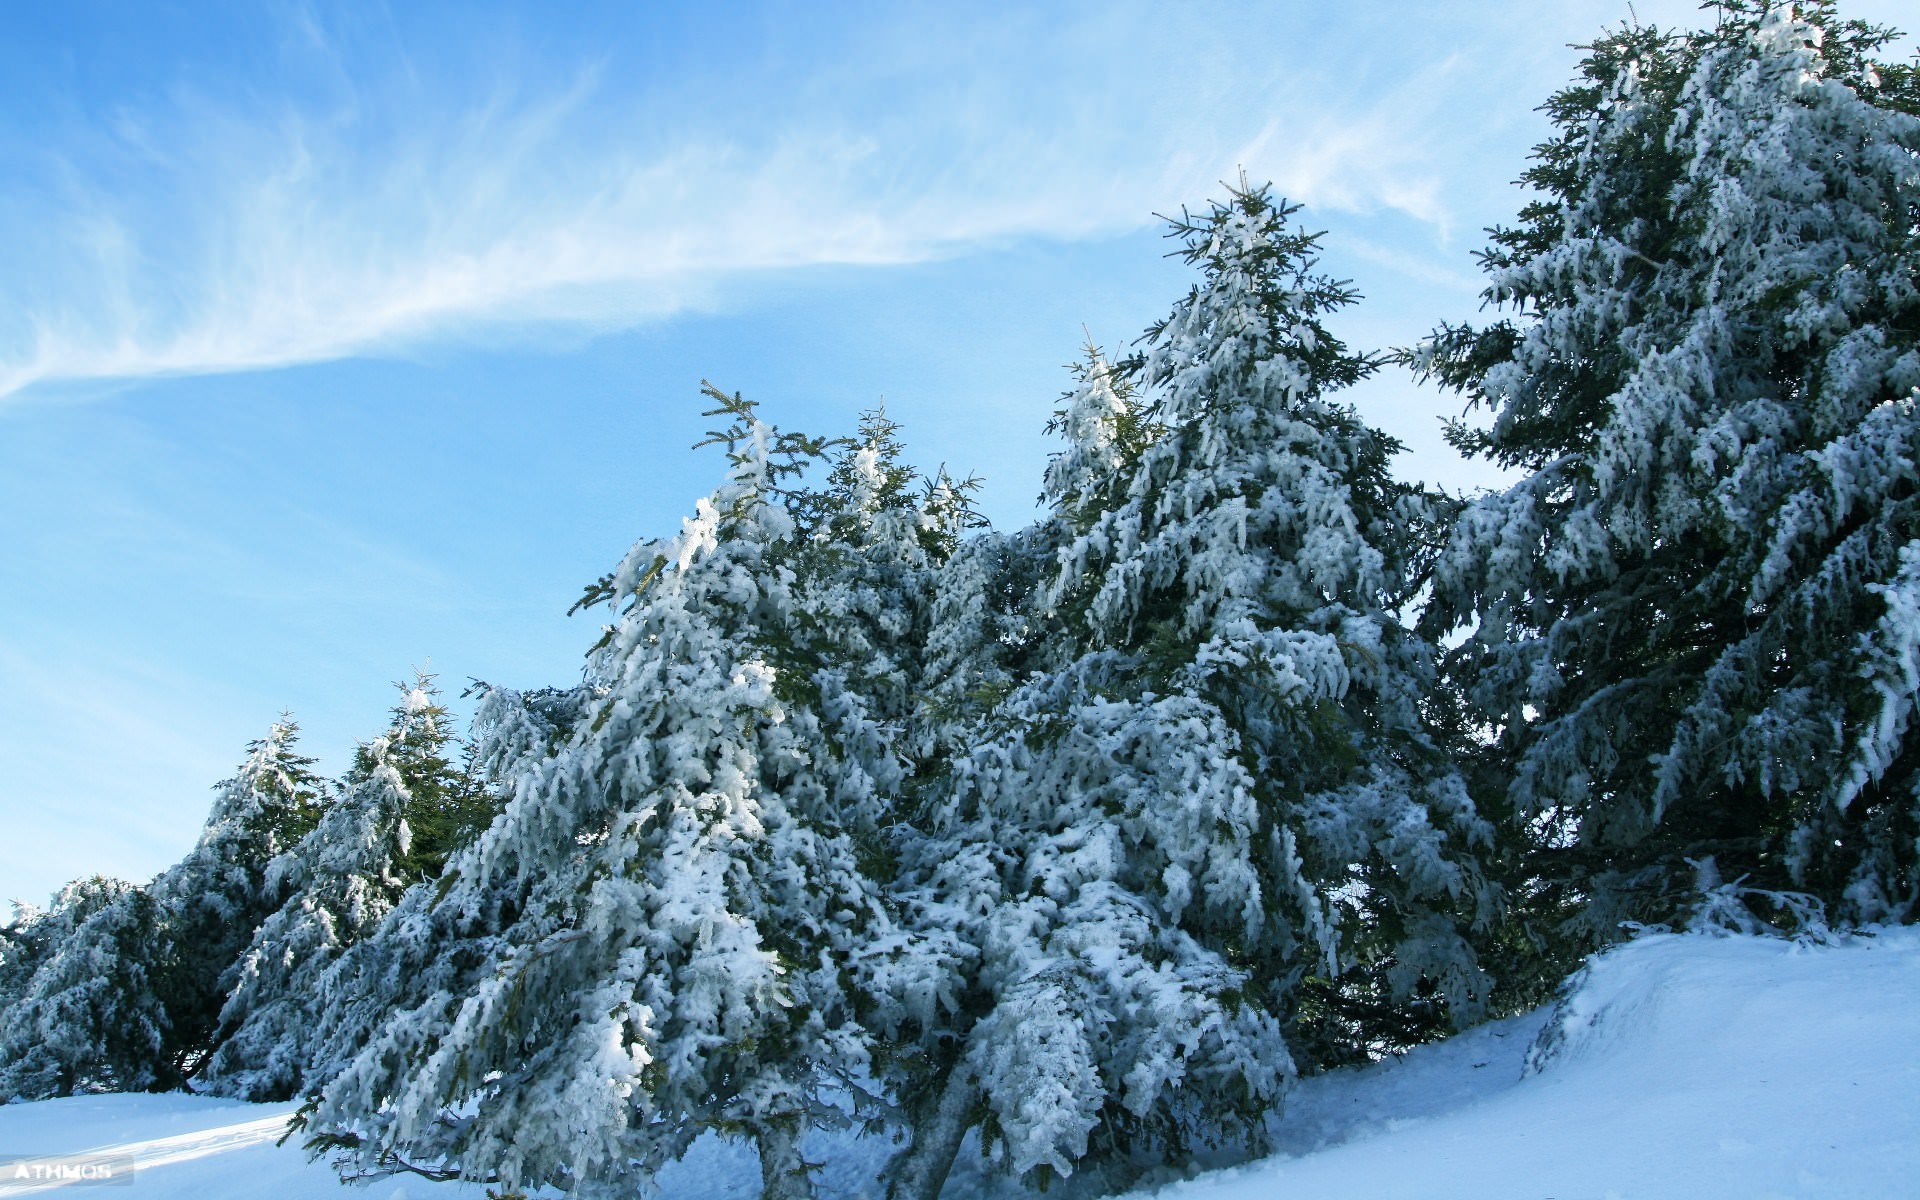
[1247, 760]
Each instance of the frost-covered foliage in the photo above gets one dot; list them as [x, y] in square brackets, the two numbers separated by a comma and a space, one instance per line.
[862, 592]
[1194, 774]
[1050, 974]
[211, 901]
[659, 929]
[339, 881]
[448, 802]
[1256, 565]
[1106, 428]
[131, 998]
[36, 935]
[435, 943]
[1696, 622]
[81, 1012]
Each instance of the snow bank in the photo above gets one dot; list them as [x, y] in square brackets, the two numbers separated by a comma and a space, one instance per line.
[1676, 1066]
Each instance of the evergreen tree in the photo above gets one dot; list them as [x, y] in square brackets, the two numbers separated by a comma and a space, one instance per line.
[1210, 780]
[860, 566]
[1692, 623]
[36, 935]
[444, 934]
[82, 1013]
[447, 803]
[339, 881]
[210, 903]
[672, 886]
[1106, 429]
[131, 999]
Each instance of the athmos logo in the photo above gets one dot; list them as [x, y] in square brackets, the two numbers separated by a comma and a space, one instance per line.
[24, 1173]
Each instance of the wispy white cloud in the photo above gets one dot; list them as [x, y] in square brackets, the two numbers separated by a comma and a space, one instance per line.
[399, 204]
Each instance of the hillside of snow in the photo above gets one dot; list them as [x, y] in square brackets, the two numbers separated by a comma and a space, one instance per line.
[1675, 1067]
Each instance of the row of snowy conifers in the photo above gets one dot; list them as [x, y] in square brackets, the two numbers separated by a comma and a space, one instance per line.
[1089, 836]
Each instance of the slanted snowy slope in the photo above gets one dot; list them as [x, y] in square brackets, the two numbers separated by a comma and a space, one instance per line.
[1679, 1067]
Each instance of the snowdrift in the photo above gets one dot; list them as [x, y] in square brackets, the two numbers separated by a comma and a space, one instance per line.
[1675, 1067]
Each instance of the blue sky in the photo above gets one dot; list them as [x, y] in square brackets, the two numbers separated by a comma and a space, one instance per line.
[341, 339]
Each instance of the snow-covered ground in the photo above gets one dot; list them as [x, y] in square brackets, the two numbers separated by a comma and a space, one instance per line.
[1680, 1066]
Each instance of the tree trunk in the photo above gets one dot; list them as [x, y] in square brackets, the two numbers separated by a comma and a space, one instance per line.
[784, 1173]
[940, 1124]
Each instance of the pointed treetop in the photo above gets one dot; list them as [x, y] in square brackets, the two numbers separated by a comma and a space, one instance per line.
[1251, 329]
[1106, 429]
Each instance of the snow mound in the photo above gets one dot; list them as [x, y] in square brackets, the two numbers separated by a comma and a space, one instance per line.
[1675, 1066]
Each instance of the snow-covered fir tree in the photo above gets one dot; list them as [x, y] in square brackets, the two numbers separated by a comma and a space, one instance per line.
[676, 891]
[1693, 622]
[442, 935]
[339, 881]
[211, 901]
[131, 999]
[1106, 428]
[448, 802]
[861, 571]
[1206, 778]
[35, 934]
[83, 1013]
